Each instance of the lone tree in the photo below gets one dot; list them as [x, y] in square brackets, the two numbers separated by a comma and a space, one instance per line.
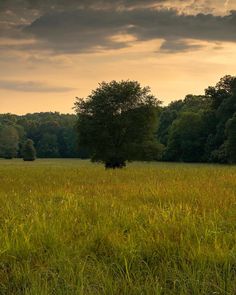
[117, 122]
[28, 151]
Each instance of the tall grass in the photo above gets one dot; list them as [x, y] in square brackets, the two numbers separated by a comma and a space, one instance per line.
[70, 227]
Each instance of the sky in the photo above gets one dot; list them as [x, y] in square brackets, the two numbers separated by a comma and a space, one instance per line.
[52, 51]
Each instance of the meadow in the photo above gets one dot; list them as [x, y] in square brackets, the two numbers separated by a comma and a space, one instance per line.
[71, 227]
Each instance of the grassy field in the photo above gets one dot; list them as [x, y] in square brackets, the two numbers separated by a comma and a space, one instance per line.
[70, 227]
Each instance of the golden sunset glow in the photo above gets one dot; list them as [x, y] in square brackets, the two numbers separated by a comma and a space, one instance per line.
[49, 59]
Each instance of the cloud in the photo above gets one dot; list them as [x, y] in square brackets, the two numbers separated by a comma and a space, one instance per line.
[30, 86]
[79, 31]
[87, 30]
[53, 5]
[82, 26]
[175, 46]
[187, 6]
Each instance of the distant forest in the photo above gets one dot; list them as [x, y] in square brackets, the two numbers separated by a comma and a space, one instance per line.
[199, 128]
[54, 135]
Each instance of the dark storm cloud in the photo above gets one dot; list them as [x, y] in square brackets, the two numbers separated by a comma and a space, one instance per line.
[29, 86]
[168, 24]
[70, 26]
[88, 29]
[68, 4]
[80, 31]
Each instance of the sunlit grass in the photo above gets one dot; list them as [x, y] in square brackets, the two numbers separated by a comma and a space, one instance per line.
[71, 227]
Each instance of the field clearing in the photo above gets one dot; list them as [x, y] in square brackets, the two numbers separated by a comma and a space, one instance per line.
[71, 227]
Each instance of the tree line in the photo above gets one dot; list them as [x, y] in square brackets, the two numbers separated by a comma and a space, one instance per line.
[121, 121]
[201, 128]
[53, 135]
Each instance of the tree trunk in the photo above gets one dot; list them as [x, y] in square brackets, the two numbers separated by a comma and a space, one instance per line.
[115, 164]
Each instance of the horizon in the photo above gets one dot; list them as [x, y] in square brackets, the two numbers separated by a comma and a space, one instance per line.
[163, 104]
[55, 51]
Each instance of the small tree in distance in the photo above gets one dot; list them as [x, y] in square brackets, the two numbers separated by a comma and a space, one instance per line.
[117, 122]
[29, 152]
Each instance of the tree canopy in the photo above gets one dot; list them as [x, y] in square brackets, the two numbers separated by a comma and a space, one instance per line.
[200, 128]
[9, 142]
[117, 122]
[28, 151]
[54, 134]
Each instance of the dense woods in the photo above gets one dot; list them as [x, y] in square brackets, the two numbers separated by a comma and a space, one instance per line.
[199, 128]
[53, 135]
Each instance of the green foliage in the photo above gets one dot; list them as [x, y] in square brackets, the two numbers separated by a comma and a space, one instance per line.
[29, 152]
[201, 136]
[116, 121]
[48, 146]
[195, 103]
[165, 229]
[185, 139]
[231, 139]
[54, 134]
[150, 151]
[167, 117]
[9, 142]
[223, 89]
[220, 155]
